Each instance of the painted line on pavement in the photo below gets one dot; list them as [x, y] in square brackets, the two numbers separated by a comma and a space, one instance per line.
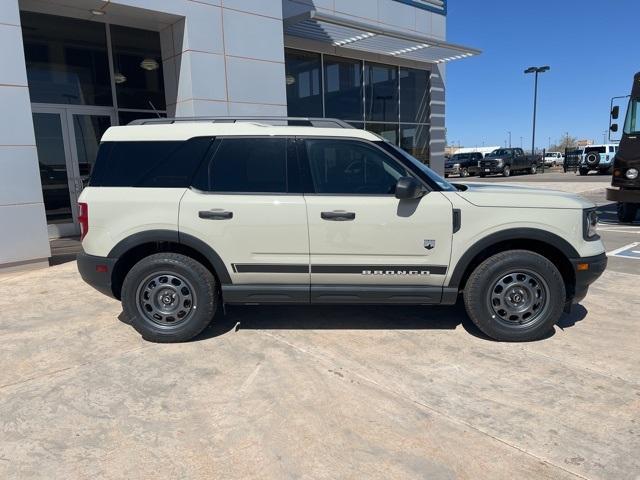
[630, 249]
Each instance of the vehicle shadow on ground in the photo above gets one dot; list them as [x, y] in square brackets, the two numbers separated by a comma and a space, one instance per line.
[355, 317]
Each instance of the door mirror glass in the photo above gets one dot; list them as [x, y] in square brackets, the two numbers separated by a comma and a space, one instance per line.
[408, 188]
[614, 127]
[615, 111]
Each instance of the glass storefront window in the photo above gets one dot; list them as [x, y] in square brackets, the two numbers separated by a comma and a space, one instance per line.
[414, 95]
[414, 139]
[381, 92]
[388, 131]
[137, 64]
[125, 117]
[303, 79]
[343, 88]
[66, 60]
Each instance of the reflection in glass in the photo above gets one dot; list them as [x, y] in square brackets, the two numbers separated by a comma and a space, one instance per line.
[414, 95]
[381, 92]
[53, 167]
[88, 130]
[414, 139]
[125, 117]
[137, 68]
[66, 60]
[388, 131]
[343, 88]
[303, 79]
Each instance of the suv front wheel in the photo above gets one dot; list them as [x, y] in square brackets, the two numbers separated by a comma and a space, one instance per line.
[515, 295]
[168, 297]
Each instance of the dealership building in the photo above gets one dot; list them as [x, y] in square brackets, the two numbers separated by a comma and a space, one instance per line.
[72, 68]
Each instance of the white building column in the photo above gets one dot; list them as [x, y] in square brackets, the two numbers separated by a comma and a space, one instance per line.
[23, 226]
[225, 59]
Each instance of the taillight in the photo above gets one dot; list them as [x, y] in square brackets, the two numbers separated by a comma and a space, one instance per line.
[83, 219]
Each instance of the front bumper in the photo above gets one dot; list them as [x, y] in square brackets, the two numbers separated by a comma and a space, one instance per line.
[472, 169]
[97, 272]
[587, 271]
[491, 169]
[623, 195]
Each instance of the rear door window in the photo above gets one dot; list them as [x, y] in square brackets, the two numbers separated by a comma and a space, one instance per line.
[245, 165]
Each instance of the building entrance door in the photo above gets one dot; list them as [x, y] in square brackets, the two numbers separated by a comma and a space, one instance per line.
[67, 140]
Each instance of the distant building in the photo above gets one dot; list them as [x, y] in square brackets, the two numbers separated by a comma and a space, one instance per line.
[583, 143]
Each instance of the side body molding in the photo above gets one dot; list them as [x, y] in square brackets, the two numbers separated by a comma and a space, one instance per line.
[155, 236]
[505, 235]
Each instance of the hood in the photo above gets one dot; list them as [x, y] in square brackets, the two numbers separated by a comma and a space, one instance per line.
[493, 195]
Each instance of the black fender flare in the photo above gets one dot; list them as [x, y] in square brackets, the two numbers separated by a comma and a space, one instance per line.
[151, 236]
[505, 235]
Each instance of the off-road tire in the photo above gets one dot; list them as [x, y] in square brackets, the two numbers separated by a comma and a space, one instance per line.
[534, 169]
[177, 271]
[592, 159]
[481, 288]
[627, 212]
[506, 171]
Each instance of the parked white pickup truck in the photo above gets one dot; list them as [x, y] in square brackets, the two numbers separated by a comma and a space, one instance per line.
[551, 159]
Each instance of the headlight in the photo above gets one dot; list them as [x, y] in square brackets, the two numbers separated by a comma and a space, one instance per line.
[499, 161]
[631, 174]
[590, 224]
[456, 165]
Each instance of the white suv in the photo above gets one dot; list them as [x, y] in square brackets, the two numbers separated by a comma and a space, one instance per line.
[182, 216]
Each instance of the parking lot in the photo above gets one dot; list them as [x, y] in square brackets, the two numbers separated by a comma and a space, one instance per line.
[329, 392]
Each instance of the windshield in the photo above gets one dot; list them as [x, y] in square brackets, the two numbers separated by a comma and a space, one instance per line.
[498, 152]
[632, 122]
[461, 156]
[433, 176]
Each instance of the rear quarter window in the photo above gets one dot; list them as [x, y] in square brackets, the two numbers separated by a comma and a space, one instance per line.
[160, 164]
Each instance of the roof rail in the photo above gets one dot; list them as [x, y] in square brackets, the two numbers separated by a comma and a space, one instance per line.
[291, 121]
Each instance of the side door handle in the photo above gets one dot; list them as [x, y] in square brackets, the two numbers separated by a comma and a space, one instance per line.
[215, 214]
[338, 216]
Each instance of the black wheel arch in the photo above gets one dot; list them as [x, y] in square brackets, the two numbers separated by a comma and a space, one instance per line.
[139, 245]
[548, 244]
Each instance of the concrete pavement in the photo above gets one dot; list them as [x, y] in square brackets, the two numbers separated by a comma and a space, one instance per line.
[331, 392]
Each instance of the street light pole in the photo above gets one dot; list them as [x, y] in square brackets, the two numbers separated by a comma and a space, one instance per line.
[509, 132]
[535, 70]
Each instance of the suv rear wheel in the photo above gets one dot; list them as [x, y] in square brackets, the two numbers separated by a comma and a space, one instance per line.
[169, 297]
[516, 295]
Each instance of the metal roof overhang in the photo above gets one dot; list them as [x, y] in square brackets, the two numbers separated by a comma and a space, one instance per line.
[344, 32]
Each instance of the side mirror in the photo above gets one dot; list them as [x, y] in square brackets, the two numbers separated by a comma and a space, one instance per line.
[615, 111]
[614, 127]
[408, 188]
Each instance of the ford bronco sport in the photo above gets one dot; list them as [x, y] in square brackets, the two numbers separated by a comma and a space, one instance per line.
[182, 216]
